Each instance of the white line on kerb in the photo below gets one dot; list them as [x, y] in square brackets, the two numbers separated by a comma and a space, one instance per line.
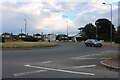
[26, 73]
[46, 62]
[60, 70]
[84, 66]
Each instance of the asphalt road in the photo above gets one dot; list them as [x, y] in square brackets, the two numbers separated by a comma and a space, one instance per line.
[70, 60]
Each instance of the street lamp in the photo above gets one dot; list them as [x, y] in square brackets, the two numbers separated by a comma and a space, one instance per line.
[111, 20]
[67, 25]
[25, 25]
[96, 32]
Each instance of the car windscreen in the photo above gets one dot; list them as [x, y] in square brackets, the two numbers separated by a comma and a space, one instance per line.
[96, 41]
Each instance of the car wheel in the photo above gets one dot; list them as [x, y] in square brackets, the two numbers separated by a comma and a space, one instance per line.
[100, 45]
[92, 45]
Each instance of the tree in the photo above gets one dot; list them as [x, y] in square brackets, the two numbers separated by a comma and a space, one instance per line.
[89, 31]
[118, 29]
[117, 35]
[104, 29]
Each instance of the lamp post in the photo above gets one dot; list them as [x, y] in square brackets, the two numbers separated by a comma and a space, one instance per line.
[67, 26]
[96, 32]
[111, 21]
[21, 31]
[25, 25]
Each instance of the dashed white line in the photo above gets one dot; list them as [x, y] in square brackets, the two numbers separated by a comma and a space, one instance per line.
[26, 73]
[84, 66]
[87, 55]
[46, 62]
[87, 58]
[60, 70]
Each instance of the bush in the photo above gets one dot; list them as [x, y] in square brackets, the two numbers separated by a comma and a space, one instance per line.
[2, 39]
[30, 39]
[81, 38]
[117, 40]
[23, 44]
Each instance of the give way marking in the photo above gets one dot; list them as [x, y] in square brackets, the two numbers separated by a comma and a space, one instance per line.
[27, 73]
[59, 70]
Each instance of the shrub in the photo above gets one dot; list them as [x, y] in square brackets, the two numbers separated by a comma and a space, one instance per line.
[2, 39]
[30, 39]
[117, 40]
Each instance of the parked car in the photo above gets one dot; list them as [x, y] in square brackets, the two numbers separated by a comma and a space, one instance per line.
[93, 43]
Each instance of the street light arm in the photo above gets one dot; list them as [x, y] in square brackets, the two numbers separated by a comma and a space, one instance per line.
[103, 3]
[107, 4]
[65, 16]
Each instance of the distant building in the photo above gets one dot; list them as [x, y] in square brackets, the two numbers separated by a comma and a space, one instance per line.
[8, 36]
[22, 35]
[38, 36]
[81, 31]
[62, 37]
[50, 37]
[73, 38]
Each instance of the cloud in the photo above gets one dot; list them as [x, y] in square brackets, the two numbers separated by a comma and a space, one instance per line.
[92, 14]
[47, 17]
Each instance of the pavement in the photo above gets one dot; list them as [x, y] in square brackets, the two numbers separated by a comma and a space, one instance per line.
[112, 63]
[70, 60]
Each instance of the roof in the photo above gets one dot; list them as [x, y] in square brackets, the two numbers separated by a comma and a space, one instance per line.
[22, 34]
[37, 34]
[6, 34]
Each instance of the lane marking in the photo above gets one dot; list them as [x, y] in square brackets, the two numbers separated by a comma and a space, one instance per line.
[84, 56]
[27, 73]
[87, 58]
[87, 55]
[60, 70]
[84, 66]
[46, 62]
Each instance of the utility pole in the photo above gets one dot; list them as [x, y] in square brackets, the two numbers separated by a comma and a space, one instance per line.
[21, 31]
[67, 27]
[25, 25]
[42, 36]
[96, 32]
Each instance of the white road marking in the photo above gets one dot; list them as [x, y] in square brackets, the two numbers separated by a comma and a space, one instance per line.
[87, 58]
[87, 55]
[26, 73]
[46, 62]
[60, 70]
[84, 66]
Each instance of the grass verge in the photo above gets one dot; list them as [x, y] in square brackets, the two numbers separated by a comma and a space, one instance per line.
[21, 44]
[111, 44]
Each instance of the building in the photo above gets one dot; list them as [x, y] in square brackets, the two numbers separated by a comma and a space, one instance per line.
[49, 37]
[38, 36]
[22, 36]
[62, 37]
[73, 38]
[8, 36]
[81, 31]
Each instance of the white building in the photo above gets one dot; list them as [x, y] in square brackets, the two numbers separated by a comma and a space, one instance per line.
[49, 37]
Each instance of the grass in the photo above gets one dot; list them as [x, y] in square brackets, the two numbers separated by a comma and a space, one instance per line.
[22, 44]
[111, 44]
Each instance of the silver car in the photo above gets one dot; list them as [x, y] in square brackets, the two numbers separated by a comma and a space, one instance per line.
[93, 43]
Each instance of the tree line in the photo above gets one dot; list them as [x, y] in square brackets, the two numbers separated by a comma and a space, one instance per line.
[101, 31]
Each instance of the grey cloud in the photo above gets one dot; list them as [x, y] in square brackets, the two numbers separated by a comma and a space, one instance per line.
[13, 18]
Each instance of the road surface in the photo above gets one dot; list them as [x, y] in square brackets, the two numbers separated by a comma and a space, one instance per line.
[69, 60]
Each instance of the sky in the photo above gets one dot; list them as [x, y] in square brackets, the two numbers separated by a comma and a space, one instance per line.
[54, 16]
